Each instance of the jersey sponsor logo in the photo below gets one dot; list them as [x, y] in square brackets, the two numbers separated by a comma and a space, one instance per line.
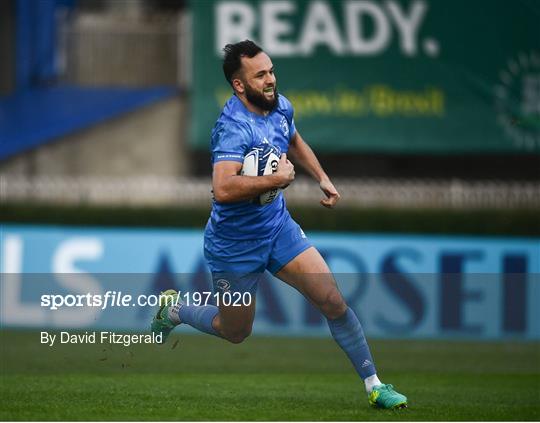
[229, 156]
[272, 196]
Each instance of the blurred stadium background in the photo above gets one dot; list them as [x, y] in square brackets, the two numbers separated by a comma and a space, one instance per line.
[426, 114]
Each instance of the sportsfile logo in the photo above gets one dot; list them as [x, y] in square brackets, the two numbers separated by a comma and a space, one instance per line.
[102, 301]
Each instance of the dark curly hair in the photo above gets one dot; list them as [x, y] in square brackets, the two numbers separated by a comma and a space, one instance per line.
[233, 55]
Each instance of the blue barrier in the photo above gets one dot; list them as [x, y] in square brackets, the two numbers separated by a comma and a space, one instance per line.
[35, 117]
[400, 286]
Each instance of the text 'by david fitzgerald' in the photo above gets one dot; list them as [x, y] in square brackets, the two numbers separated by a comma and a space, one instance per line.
[103, 337]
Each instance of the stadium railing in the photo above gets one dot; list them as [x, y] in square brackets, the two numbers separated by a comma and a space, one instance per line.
[194, 192]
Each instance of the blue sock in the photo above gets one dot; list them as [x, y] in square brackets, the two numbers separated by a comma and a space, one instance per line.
[348, 333]
[199, 317]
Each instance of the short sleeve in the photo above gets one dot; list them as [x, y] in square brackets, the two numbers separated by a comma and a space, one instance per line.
[230, 142]
[292, 128]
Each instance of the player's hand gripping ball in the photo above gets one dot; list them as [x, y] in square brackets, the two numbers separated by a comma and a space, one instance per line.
[263, 160]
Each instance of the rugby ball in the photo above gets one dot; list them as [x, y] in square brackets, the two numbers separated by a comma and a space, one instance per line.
[260, 161]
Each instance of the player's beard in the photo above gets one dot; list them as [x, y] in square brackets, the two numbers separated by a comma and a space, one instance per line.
[258, 99]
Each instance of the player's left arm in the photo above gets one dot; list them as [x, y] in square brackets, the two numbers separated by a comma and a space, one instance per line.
[301, 153]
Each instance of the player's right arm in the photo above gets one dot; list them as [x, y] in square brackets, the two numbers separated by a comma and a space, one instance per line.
[230, 187]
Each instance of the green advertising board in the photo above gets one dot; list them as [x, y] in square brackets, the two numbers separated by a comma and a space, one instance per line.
[400, 77]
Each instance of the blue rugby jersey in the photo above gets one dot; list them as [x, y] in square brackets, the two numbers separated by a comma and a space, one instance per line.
[236, 132]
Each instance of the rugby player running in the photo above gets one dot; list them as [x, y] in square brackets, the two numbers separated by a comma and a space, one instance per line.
[243, 238]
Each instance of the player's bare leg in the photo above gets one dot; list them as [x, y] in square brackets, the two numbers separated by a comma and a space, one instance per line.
[234, 323]
[309, 274]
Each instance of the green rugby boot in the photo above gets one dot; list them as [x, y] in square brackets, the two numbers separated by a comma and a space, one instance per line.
[384, 396]
[161, 324]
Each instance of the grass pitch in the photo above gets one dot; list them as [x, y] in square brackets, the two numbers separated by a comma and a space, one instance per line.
[204, 378]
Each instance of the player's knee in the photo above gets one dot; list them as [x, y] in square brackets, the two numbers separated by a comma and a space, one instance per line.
[236, 339]
[334, 305]
[237, 336]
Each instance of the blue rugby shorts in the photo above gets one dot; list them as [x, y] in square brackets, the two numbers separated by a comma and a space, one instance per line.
[237, 266]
